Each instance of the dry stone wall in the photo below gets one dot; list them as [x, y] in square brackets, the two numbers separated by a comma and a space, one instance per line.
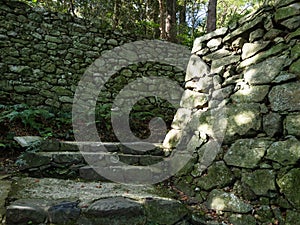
[240, 118]
[44, 55]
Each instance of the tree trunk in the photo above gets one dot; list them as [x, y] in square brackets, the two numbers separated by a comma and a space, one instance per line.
[72, 8]
[171, 20]
[211, 16]
[162, 19]
[182, 14]
[182, 19]
[154, 16]
[116, 15]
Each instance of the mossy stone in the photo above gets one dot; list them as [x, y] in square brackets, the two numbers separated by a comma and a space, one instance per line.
[285, 152]
[218, 175]
[241, 219]
[289, 186]
[292, 218]
[255, 180]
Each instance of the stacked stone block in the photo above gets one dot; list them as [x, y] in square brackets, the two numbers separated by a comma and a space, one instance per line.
[240, 113]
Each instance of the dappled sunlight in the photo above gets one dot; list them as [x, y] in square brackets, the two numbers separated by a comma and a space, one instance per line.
[218, 204]
[244, 118]
[207, 128]
[136, 124]
[20, 207]
[246, 90]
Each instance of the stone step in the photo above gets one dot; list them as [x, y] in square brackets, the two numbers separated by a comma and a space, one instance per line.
[134, 148]
[59, 159]
[68, 164]
[61, 201]
[123, 174]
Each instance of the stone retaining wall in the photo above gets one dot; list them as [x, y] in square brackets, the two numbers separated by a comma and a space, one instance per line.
[45, 54]
[242, 107]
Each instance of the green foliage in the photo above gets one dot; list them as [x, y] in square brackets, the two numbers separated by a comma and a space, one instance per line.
[186, 38]
[103, 114]
[230, 11]
[142, 17]
[37, 120]
[8, 142]
[30, 117]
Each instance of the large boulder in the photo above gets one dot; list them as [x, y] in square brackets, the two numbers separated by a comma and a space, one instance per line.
[243, 119]
[292, 217]
[4, 191]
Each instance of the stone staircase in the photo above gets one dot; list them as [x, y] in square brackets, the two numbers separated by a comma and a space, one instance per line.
[69, 159]
[59, 187]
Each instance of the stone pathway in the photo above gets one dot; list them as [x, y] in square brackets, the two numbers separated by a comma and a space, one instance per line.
[60, 188]
[57, 201]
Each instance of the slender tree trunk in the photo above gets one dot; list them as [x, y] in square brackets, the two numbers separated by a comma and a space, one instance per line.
[72, 8]
[154, 16]
[182, 14]
[182, 19]
[211, 23]
[116, 15]
[171, 25]
[162, 19]
[193, 20]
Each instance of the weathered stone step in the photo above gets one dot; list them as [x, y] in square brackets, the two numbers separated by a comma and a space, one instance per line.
[68, 164]
[134, 148]
[123, 174]
[55, 201]
[59, 159]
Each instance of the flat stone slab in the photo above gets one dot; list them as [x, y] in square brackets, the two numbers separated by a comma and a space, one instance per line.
[26, 141]
[136, 148]
[59, 189]
[66, 201]
[73, 157]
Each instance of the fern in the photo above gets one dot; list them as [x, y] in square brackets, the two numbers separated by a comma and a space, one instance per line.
[31, 118]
